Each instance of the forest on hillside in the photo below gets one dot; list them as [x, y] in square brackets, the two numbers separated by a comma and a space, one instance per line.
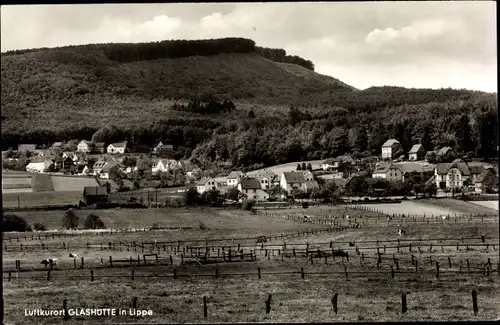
[200, 105]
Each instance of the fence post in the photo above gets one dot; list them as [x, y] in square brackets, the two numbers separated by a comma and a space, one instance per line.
[48, 275]
[110, 261]
[268, 304]
[91, 275]
[392, 272]
[132, 276]
[65, 309]
[474, 302]
[346, 274]
[258, 270]
[403, 303]
[82, 264]
[437, 270]
[302, 272]
[449, 262]
[334, 302]
[175, 273]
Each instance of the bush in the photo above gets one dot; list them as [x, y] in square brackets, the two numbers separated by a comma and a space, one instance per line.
[155, 226]
[248, 205]
[70, 220]
[202, 225]
[93, 222]
[12, 222]
[305, 205]
[39, 227]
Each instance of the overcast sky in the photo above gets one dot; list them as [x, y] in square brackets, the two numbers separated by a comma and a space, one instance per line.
[410, 44]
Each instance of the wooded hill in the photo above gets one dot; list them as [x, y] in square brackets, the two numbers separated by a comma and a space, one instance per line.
[226, 101]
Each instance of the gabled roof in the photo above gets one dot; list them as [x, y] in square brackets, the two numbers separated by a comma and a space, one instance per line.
[461, 166]
[475, 169]
[442, 168]
[249, 183]
[343, 158]
[100, 144]
[415, 148]
[26, 146]
[294, 177]
[329, 161]
[384, 168]
[107, 167]
[38, 160]
[122, 144]
[311, 184]
[88, 143]
[204, 180]
[57, 144]
[95, 191]
[431, 180]
[235, 174]
[390, 142]
[486, 172]
[443, 151]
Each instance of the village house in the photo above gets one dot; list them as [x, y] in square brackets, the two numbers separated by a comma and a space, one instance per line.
[417, 152]
[118, 147]
[42, 152]
[252, 189]
[39, 165]
[328, 164]
[234, 178]
[206, 184]
[390, 172]
[86, 171]
[390, 148]
[26, 148]
[168, 148]
[296, 182]
[56, 146]
[159, 166]
[85, 146]
[453, 175]
[194, 173]
[487, 181]
[335, 163]
[266, 180]
[100, 147]
[99, 164]
[95, 194]
[106, 169]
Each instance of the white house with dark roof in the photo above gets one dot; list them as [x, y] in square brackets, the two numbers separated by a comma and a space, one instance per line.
[454, 174]
[390, 148]
[267, 179]
[234, 178]
[488, 179]
[118, 147]
[160, 146]
[252, 189]
[39, 165]
[417, 152]
[85, 146]
[292, 182]
[206, 184]
[390, 172]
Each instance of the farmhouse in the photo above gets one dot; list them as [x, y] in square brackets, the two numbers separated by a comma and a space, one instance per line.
[26, 148]
[159, 166]
[42, 152]
[95, 194]
[390, 148]
[86, 171]
[251, 188]
[234, 178]
[118, 147]
[487, 181]
[292, 182]
[99, 165]
[327, 164]
[417, 152]
[106, 169]
[335, 163]
[85, 146]
[266, 179]
[390, 172]
[206, 184]
[39, 165]
[454, 175]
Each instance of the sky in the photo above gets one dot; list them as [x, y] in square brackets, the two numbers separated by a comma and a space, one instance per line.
[409, 44]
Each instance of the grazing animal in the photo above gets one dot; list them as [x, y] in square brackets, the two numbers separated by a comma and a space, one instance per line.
[319, 254]
[45, 262]
[356, 225]
[389, 218]
[351, 244]
[347, 217]
[401, 232]
[73, 255]
[340, 253]
[445, 217]
[306, 219]
[53, 262]
[261, 239]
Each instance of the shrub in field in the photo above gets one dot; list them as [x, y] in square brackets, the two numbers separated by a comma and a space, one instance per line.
[12, 222]
[155, 226]
[39, 227]
[93, 222]
[202, 225]
[248, 205]
[70, 220]
[191, 197]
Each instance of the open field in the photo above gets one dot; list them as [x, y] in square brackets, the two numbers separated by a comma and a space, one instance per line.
[40, 198]
[72, 183]
[442, 206]
[368, 292]
[488, 204]
[42, 183]
[288, 167]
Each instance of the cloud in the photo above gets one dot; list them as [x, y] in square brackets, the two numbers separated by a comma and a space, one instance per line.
[418, 31]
